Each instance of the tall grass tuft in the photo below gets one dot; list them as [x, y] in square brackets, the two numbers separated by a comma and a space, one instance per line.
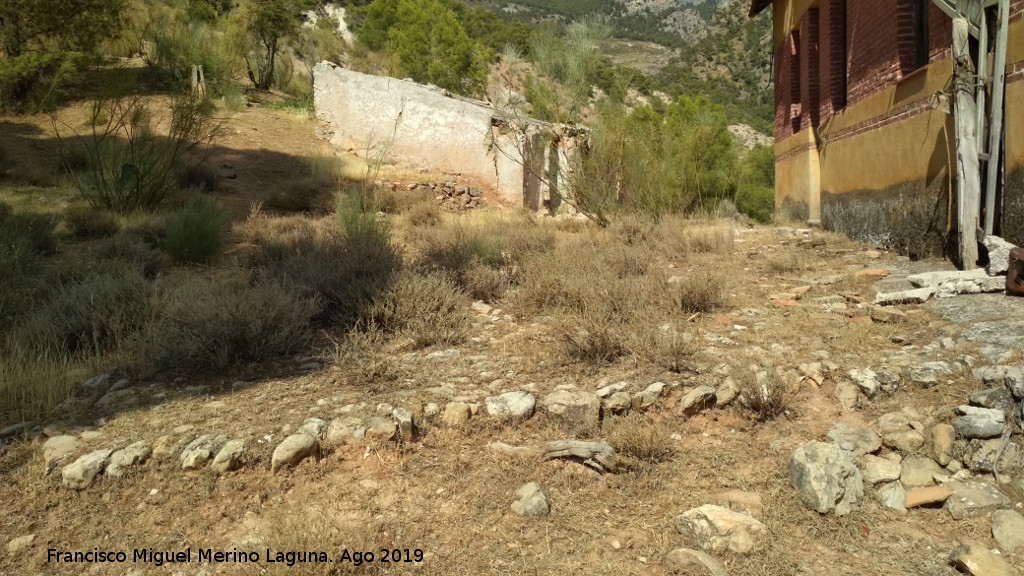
[194, 234]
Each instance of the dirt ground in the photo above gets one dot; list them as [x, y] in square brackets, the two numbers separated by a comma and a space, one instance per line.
[445, 492]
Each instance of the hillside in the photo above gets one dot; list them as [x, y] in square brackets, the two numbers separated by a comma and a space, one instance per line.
[691, 47]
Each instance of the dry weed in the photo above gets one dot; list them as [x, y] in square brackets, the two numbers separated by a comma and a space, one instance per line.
[698, 292]
[762, 391]
[639, 438]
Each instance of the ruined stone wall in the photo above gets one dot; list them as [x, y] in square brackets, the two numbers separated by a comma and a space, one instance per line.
[417, 126]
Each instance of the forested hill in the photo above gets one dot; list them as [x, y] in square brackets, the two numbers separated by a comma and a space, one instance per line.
[718, 52]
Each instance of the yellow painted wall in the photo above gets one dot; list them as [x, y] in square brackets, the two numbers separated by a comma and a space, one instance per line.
[1014, 125]
[797, 177]
[914, 149]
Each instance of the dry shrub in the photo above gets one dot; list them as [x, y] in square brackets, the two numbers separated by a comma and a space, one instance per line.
[426, 308]
[126, 249]
[785, 263]
[762, 392]
[33, 383]
[698, 292]
[198, 177]
[484, 283]
[669, 350]
[362, 353]
[397, 201]
[645, 441]
[710, 241]
[305, 195]
[85, 222]
[317, 260]
[593, 342]
[95, 314]
[681, 236]
[424, 213]
[214, 323]
[636, 229]
[311, 528]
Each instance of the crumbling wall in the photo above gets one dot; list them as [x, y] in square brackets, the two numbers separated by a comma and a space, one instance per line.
[417, 126]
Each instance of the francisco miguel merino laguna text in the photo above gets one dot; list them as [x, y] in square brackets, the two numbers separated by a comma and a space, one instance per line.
[161, 557]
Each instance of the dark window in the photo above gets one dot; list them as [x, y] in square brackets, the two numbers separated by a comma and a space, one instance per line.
[837, 54]
[912, 31]
[920, 33]
[794, 80]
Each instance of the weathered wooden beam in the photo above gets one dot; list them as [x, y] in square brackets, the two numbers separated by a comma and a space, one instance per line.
[962, 9]
[982, 87]
[968, 180]
[996, 131]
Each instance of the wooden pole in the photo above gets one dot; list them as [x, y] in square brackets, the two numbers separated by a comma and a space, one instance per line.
[982, 81]
[996, 132]
[968, 180]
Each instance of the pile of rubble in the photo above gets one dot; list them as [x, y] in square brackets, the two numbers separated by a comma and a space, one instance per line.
[449, 194]
[992, 278]
[957, 459]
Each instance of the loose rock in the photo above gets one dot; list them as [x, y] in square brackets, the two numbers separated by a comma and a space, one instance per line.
[983, 453]
[919, 471]
[229, 456]
[133, 455]
[940, 448]
[718, 529]
[973, 498]
[456, 414]
[866, 381]
[511, 405]
[573, 410]
[977, 561]
[293, 450]
[697, 400]
[696, 562]
[875, 470]
[649, 396]
[977, 422]
[855, 439]
[826, 478]
[617, 403]
[81, 473]
[1008, 530]
[59, 447]
[727, 391]
[531, 501]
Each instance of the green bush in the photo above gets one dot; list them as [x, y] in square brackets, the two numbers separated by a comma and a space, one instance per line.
[194, 232]
[429, 43]
[357, 213]
[36, 80]
[176, 43]
[755, 196]
[95, 314]
[214, 323]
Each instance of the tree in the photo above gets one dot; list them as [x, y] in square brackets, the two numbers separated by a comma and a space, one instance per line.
[430, 44]
[272, 21]
[66, 25]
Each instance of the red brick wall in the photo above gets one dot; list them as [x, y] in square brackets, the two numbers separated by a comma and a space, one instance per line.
[810, 70]
[832, 50]
[876, 57]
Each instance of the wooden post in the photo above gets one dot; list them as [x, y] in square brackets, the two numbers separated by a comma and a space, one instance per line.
[968, 181]
[198, 81]
[982, 82]
[996, 131]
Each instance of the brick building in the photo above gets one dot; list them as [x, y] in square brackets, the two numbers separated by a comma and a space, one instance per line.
[865, 137]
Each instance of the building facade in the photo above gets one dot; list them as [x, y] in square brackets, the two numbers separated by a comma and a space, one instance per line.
[865, 133]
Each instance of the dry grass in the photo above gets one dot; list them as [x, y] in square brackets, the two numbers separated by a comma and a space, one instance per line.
[641, 438]
[33, 383]
[762, 391]
[424, 213]
[425, 308]
[698, 292]
[86, 223]
[788, 262]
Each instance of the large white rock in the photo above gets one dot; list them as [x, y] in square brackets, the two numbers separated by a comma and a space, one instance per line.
[1008, 530]
[573, 410]
[825, 478]
[516, 405]
[125, 458]
[229, 456]
[81, 473]
[292, 450]
[718, 529]
[998, 255]
[531, 501]
[59, 447]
